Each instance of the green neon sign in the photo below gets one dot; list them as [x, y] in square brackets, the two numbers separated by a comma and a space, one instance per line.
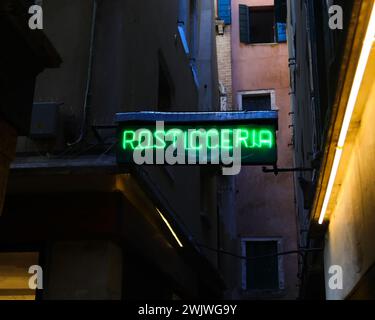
[197, 139]
[257, 143]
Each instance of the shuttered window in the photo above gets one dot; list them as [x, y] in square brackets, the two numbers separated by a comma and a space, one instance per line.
[262, 273]
[224, 11]
[256, 102]
[264, 24]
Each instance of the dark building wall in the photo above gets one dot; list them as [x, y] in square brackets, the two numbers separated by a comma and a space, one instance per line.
[111, 60]
[130, 45]
[24, 55]
[319, 61]
[315, 59]
[93, 241]
[206, 58]
[7, 153]
[123, 56]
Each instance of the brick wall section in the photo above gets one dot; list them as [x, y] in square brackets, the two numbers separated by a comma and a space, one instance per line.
[8, 138]
[224, 60]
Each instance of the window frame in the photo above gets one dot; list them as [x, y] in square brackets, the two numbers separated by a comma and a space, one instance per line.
[271, 92]
[258, 8]
[246, 38]
[280, 263]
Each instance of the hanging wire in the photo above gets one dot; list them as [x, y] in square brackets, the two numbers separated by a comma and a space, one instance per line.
[299, 251]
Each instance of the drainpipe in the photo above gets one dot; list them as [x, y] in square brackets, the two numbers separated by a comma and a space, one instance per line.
[88, 82]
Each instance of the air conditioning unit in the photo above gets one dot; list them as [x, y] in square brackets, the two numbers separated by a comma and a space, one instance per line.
[44, 120]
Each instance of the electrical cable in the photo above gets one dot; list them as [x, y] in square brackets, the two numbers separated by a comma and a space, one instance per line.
[300, 251]
[88, 81]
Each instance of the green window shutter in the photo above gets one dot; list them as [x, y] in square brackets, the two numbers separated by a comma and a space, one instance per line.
[244, 24]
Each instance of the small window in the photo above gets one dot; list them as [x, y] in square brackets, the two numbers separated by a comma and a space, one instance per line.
[263, 24]
[256, 102]
[262, 269]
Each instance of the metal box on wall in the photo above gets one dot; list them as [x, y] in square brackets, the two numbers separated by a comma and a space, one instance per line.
[44, 120]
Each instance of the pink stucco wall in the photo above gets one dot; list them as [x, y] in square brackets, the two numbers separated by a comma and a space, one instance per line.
[265, 202]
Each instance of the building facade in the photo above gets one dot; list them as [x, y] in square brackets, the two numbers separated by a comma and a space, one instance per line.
[99, 231]
[25, 56]
[332, 66]
[224, 52]
[255, 77]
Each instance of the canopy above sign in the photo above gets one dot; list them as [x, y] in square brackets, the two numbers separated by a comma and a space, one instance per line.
[258, 117]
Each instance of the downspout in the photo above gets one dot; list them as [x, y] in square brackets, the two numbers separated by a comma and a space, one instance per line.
[88, 82]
